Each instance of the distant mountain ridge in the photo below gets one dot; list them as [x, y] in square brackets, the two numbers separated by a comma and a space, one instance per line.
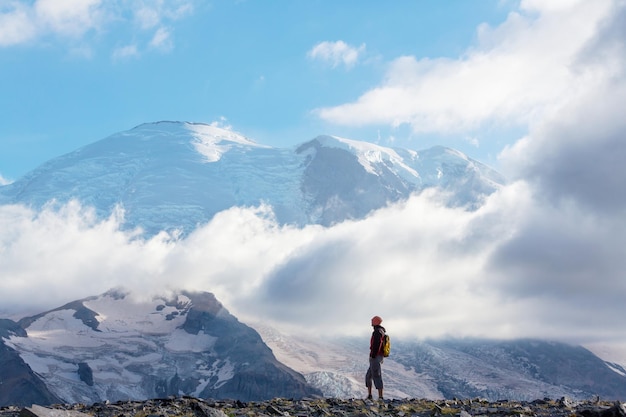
[176, 175]
[112, 347]
[521, 369]
[115, 347]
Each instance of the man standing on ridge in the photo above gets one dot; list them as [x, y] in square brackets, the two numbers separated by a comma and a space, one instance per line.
[374, 373]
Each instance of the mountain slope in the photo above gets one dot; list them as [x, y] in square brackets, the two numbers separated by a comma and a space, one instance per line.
[436, 369]
[18, 383]
[172, 175]
[521, 369]
[112, 347]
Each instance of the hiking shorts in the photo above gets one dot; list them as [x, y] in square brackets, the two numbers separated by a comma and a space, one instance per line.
[375, 373]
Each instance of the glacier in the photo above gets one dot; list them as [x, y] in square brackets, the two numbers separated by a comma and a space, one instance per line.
[174, 176]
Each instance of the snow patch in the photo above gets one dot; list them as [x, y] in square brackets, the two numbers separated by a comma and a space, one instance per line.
[134, 318]
[212, 141]
[58, 328]
[181, 341]
[370, 155]
[224, 371]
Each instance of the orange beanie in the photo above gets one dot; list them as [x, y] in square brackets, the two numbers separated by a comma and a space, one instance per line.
[376, 321]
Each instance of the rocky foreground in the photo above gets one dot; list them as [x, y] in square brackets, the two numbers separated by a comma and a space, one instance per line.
[193, 407]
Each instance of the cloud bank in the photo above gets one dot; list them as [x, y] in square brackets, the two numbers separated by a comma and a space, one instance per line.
[545, 271]
[517, 72]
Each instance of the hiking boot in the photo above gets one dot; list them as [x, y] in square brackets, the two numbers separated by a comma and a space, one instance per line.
[369, 397]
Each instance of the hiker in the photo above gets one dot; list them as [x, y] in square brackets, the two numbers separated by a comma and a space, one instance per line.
[374, 373]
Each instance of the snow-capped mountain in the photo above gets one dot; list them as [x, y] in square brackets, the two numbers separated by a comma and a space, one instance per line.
[114, 347]
[456, 368]
[117, 347]
[172, 175]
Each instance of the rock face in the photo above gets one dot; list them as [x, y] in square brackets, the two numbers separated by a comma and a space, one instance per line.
[256, 374]
[114, 347]
[171, 175]
[18, 383]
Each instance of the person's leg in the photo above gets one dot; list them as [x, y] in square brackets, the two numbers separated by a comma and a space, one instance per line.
[377, 376]
[368, 382]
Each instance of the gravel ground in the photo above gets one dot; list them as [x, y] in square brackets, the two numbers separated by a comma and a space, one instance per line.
[315, 407]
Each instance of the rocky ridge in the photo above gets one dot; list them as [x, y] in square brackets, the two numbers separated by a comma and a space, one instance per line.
[323, 407]
[113, 347]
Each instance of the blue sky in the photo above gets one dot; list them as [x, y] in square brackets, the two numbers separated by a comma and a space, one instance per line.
[76, 71]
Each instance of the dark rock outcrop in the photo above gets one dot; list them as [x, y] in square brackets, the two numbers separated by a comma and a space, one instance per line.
[258, 374]
[85, 373]
[18, 383]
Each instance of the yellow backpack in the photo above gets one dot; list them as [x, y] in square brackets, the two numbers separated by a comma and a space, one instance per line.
[386, 346]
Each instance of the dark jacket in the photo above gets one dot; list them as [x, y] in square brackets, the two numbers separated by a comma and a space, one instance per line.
[376, 342]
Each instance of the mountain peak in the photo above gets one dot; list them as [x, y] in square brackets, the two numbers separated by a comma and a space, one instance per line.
[179, 343]
[371, 151]
[368, 154]
[178, 175]
[209, 140]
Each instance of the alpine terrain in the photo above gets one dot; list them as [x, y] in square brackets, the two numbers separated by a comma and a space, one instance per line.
[112, 347]
[522, 369]
[174, 176]
[119, 347]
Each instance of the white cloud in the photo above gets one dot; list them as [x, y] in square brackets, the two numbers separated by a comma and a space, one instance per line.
[518, 71]
[336, 53]
[442, 272]
[68, 17]
[576, 154]
[124, 52]
[147, 16]
[162, 40]
[74, 19]
[21, 23]
[222, 123]
[4, 181]
[150, 14]
[16, 25]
